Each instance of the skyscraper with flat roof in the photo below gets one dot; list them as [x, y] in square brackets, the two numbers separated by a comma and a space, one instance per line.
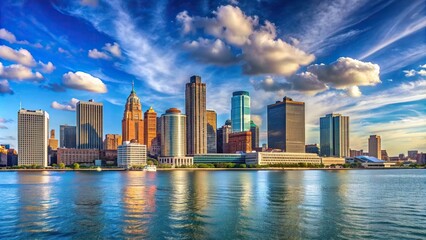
[240, 111]
[150, 127]
[375, 146]
[254, 129]
[89, 125]
[286, 125]
[67, 136]
[173, 133]
[334, 135]
[196, 116]
[33, 137]
[211, 131]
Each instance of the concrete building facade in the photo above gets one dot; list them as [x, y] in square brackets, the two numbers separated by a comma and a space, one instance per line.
[33, 134]
[89, 129]
[150, 130]
[173, 133]
[112, 141]
[69, 156]
[211, 131]
[375, 146]
[131, 154]
[267, 158]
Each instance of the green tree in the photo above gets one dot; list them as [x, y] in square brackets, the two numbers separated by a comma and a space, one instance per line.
[150, 162]
[62, 165]
[76, 166]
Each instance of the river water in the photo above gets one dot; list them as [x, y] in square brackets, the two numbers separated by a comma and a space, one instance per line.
[312, 204]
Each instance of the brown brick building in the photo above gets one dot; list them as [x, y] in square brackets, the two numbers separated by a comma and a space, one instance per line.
[69, 156]
[239, 141]
[150, 127]
[112, 141]
[132, 123]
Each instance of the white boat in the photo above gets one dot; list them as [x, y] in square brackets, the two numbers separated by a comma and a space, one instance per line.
[150, 168]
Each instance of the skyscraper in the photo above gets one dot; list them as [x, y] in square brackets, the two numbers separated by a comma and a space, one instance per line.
[240, 111]
[334, 135]
[89, 125]
[286, 125]
[375, 146]
[150, 130]
[67, 136]
[53, 142]
[132, 124]
[33, 134]
[211, 131]
[223, 137]
[112, 141]
[196, 121]
[254, 129]
[173, 133]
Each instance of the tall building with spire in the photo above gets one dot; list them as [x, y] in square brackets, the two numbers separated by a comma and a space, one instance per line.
[150, 120]
[196, 120]
[132, 124]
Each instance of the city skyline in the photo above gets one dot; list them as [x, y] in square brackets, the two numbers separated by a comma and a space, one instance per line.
[391, 103]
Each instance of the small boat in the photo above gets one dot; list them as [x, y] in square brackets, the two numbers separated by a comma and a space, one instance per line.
[98, 169]
[150, 168]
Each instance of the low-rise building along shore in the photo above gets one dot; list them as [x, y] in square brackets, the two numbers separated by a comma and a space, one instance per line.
[270, 158]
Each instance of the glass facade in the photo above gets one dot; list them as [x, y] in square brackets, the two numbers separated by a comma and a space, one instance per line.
[334, 135]
[240, 111]
[173, 134]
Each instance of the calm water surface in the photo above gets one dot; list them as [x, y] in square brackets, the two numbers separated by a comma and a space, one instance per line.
[358, 204]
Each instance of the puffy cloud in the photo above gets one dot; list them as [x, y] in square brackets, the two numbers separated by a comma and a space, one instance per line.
[305, 82]
[262, 51]
[19, 72]
[114, 49]
[208, 51]
[423, 66]
[422, 73]
[94, 53]
[83, 81]
[5, 89]
[46, 68]
[10, 37]
[410, 73]
[354, 91]
[66, 106]
[21, 56]
[347, 72]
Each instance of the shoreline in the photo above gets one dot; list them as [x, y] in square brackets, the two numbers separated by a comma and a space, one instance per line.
[201, 169]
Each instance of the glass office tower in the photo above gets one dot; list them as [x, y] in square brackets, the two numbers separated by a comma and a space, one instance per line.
[240, 111]
[334, 135]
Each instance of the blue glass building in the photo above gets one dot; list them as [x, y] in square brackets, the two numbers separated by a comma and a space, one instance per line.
[334, 135]
[240, 111]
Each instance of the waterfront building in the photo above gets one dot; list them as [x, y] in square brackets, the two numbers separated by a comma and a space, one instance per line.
[354, 153]
[267, 158]
[53, 142]
[421, 158]
[211, 131]
[240, 111]
[237, 158]
[370, 162]
[112, 141]
[108, 156]
[254, 129]
[132, 125]
[131, 154]
[173, 139]
[89, 127]
[67, 138]
[239, 142]
[286, 125]
[412, 154]
[312, 148]
[33, 134]
[3, 156]
[385, 155]
[223, 137]
[69, 156]
[12, 157]
[196, 116]
[374, 146]
[327, 161]
[334, 135]
[150, 130]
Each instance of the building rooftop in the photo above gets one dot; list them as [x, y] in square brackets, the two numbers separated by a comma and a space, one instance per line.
[238, 93]
[173, 110]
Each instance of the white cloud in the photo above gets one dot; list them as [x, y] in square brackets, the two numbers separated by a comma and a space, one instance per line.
[262, 52]
[19, 73]
[66, 106]
[21, 56]
[10, 37]
[354, 91]
[83, 81]
[422, 73]
[5, 88]
[94, 53]
[257, 119]
[423, 66]
[114, 49]
[410, 73]
[215, 52]
[47, 68]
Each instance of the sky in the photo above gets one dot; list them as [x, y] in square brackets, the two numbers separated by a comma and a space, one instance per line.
[364, 59]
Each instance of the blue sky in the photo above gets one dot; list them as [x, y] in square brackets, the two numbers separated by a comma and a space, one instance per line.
[365, 59]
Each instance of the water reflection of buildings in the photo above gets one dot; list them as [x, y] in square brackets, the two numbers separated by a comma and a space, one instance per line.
[138, 203]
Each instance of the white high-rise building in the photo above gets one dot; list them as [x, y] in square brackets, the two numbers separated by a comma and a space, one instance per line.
[33, 137]
[131, 154]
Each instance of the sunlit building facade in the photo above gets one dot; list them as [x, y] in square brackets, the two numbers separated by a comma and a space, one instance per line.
[211, 131]
[89, 127]
[334, 135]
[240, 111]
[150, 131]
[131, 154]
[375, 146]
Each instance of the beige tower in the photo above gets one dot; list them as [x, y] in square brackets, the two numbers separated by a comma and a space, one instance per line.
[211, 131]
[375, 146]
[132, 123]
[196, 121]
[89, 129]
[53, 142]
